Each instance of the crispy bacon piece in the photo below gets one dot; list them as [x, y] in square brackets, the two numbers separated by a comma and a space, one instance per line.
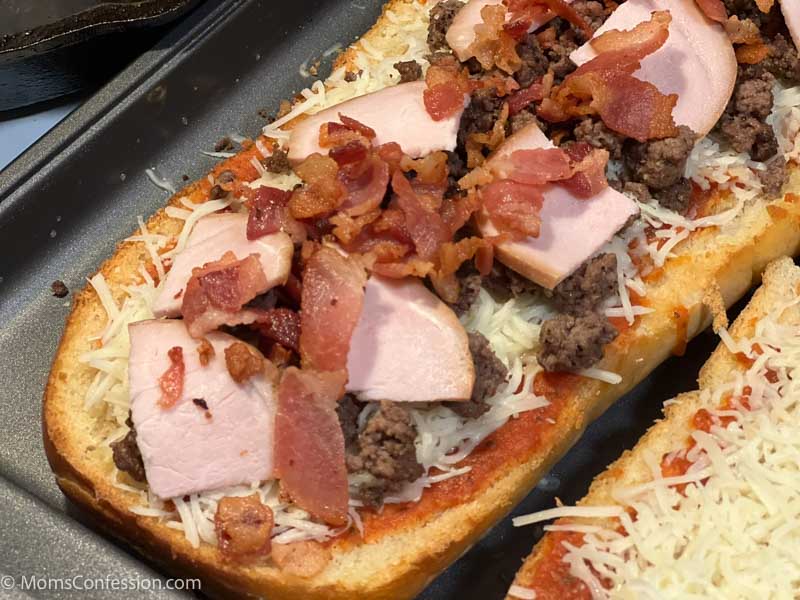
[742, 32]
[243, 527]
[715, 9]
[513, 207]
[269, 213]
[347, 228]
[242, 362]
[280, 325]
[218, 290]
[323, 191]
[526, 11]
[332, 298]
[589, 167]
[358, 127]
[411, 267]
[425, 226]
[443, 100]
[457, 211]
[366, 182]
[205, 352]
[353, 151]
[309, 444]
[494, 45]
[519, 100]
[751, 54]
[171, 381]
[534, 166]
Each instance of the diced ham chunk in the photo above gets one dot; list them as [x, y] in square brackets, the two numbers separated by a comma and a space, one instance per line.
[408, 346]
[213, 236]
[572, 229]
[791, 14]
[461, 33]
[189, 448]
[396, 114]
[697, 62]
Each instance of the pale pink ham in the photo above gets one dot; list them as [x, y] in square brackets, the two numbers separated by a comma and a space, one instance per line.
[791, 14]
[213, 236]
[396, 113]
[572, 229]
[408, 346]
[187, 449]
[461, 33]
[697, 62]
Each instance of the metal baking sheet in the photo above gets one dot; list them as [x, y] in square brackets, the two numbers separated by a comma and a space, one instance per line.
[67, 201]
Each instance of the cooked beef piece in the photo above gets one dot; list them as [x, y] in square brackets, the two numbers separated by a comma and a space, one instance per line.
[410, 70]
[569, 343]
[595, 132]
[441, 17]
[534, 62]
[521, 119]
[278, 162]
[753, 95]
[386, 451]
[479, 117]
[741, 131]
[659, 164]
[504, 282]
[468, 294]
[224, 145]
[637, 190]
[348, 410]
[126, 454]
[783, 60]
[490, 372]
[456, 169]
[594, 13]
[743, 124]
[565, 44]
[59, 289]
[586, 288]
[775, 176]
[675, 197]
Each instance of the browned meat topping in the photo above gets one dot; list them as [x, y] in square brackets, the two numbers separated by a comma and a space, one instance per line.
[59, 289]
[216, 192]
[594, 13]
[567, 40]
[410, 70]
[490, 372]
[534, 61]
[783, 60]
[595, 132]
[278, 162]
[456, 169]
[243, 527]
[659, 164]
[479, 117]
[224, 145]
[468, 293]
[385, 450]
[504, 282]
[126, 455]
[774, 177]
[242, 362]
[349, 76]
[348, 410]
[205, 351]
[584, 290]
[521, 119]
[676, 197]
[637, 190]
[569, 343]
[200, 403]
[441, 17]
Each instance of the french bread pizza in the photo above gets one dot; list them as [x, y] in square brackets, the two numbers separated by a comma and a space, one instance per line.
[327, 368]
[705, 505]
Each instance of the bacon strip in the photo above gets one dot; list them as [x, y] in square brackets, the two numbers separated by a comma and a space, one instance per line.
[331, 302]
[527, 10]
[309, 444]
[424, 224]
[280, 325]
[513, 207]
[269, 213]
[217, 292]
[171, 382]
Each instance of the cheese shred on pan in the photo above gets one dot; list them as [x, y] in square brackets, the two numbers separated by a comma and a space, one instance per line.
[734, 531]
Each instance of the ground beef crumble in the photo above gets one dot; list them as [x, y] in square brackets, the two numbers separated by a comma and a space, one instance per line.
[595, 132]
[569, 343]
[659, 164]
[126, 454]
[59, 289]
[278, 162]
[490, 373]
[504, 282]
[534, 61]
[479, 117]
[441, 17]
[410, 70]
[468, 293]
[774, 177]
[586, 288]
[676, 197]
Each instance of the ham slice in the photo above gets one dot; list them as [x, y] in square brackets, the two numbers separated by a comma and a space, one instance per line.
[791, 14]
[213, 236]
[187, 449]
[697, 62]
[408, 346]
[461, 33]
[396, 114]
[572, 229]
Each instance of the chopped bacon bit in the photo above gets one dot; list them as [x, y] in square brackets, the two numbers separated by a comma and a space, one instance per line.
[269, 213]
[366, 182]
[242, 362]
[309, 444]
[280, 325]
[715, 9]
[391, 154]
[414, 267]
[347, 228]
[171, 382]
[358, 127]
[493, 46]
[205, 351]
[752, 54]
[457, 211]
[764, 5]
[443, 100]
[352, 152]
[742, 32]
[323, 191]
[279, 356]
[430, 170]
[243, 526]
[526, 10]
[513, 207]
[424, 224]
[519, 100]
[629, 46]
[453, 254]
[333, 295]
[589, 167]
[534, 166]
[303, 559]
[484, 259]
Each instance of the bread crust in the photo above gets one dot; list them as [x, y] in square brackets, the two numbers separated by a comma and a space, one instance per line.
[781, 282]
[398, 560]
